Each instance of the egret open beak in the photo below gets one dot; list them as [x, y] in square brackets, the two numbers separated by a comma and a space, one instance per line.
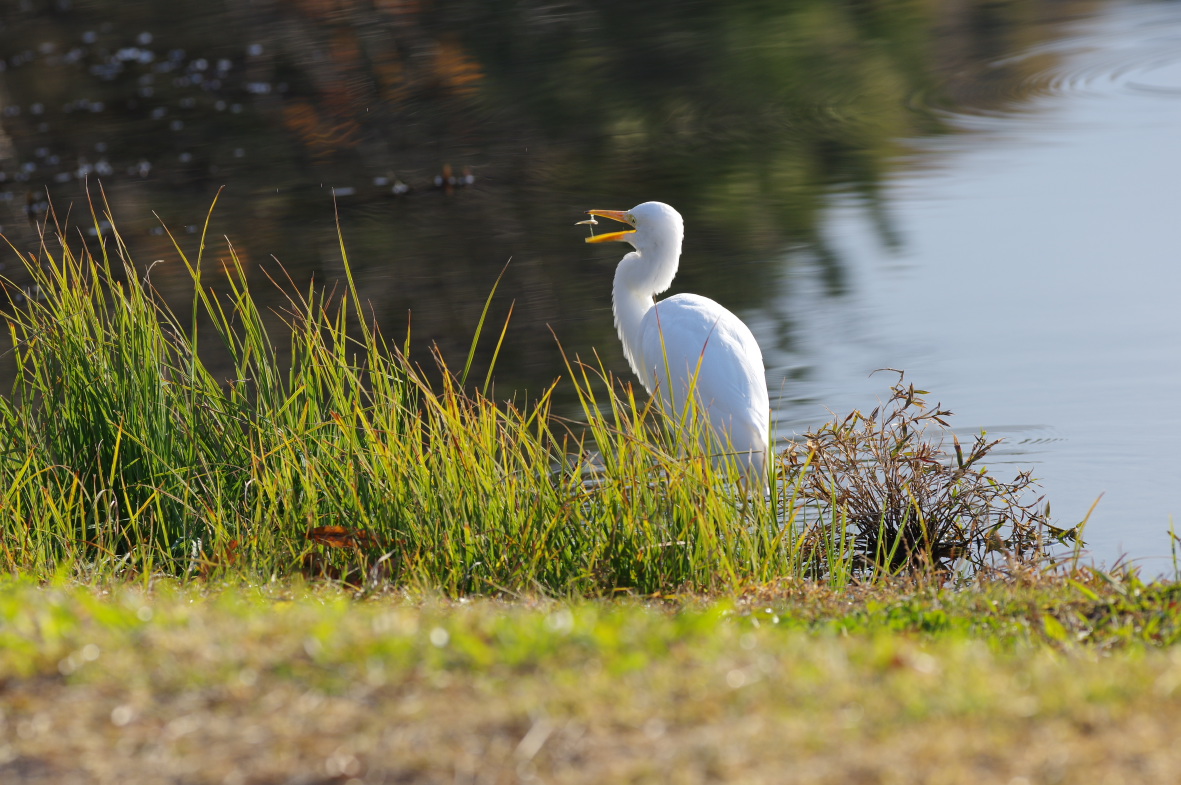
[614, 215]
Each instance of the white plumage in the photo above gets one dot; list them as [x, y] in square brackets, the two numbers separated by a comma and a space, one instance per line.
[688, 343]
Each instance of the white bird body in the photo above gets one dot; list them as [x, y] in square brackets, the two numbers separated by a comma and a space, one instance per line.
[687, 343]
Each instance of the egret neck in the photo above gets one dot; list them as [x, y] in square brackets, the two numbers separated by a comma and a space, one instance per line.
[642, 274]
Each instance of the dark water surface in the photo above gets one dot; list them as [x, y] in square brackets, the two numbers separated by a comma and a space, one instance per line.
[984, 194]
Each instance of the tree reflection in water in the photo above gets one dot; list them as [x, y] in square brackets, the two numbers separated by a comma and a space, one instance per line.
[459, 135]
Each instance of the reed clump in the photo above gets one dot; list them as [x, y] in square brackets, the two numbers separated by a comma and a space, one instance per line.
[126, 455]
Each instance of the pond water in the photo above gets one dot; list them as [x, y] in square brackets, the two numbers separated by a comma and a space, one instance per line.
[983, 194]
[1036, 286]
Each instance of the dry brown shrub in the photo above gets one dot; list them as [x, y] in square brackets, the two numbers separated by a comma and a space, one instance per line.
[893, 498]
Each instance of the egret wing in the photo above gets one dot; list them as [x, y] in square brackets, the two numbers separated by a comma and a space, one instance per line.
[691, 342]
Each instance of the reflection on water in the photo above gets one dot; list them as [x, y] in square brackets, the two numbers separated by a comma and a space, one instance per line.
[742, 115]
[1039, 275]
[453, 137]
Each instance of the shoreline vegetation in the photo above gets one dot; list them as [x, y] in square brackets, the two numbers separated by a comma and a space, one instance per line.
[326, 567]
[127, 455]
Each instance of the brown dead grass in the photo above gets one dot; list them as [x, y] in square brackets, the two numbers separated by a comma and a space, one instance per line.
[551, 728]
[250, 687]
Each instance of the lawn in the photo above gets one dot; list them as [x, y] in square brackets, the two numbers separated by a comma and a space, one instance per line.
[1039, 680]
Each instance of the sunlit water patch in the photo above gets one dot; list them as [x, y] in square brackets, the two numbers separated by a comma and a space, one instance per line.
[1035, 280]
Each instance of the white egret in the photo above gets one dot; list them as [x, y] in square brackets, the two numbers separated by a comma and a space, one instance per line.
[704, 348]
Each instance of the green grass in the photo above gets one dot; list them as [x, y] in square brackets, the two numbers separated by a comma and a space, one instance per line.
[125, 454]
[1053, 680]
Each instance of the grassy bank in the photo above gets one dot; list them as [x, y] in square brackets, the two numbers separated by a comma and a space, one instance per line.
[1044, 681]
[126, 455]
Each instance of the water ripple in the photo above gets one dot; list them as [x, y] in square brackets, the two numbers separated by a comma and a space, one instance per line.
[1135, 51]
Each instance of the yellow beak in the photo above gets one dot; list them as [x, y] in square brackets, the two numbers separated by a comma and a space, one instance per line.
[614, 215]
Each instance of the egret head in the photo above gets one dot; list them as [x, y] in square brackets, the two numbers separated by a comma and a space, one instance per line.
[655, 224]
